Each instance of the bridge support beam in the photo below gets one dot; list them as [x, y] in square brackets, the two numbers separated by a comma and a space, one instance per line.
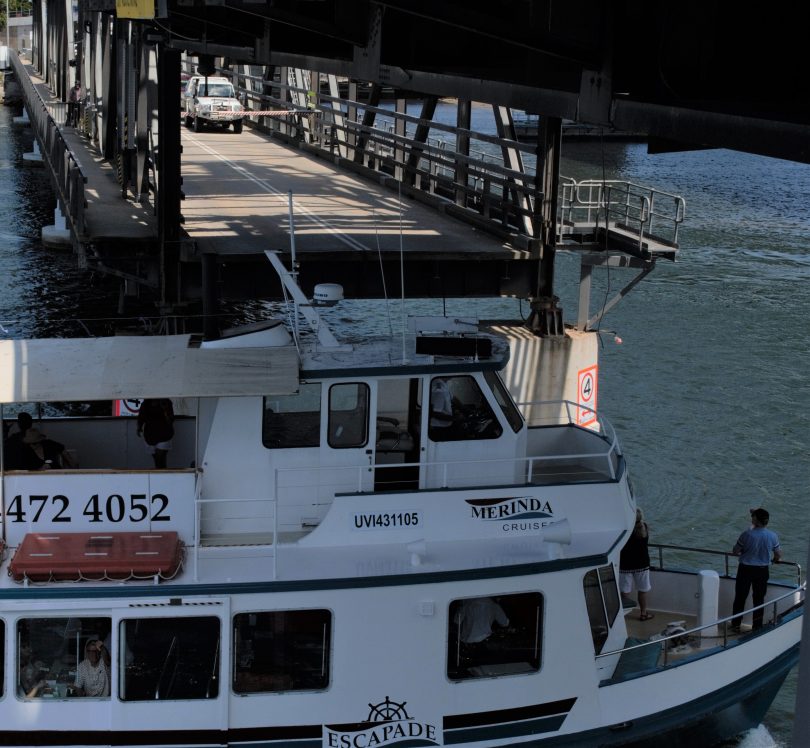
[168, 175]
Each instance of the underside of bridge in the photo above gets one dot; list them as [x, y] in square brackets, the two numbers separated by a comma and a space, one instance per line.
[687, 75]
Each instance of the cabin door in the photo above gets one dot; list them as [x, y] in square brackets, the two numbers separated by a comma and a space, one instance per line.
[173, 667]
[349, 454]
[397, 437]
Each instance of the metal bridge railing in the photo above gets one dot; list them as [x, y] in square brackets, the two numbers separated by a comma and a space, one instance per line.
[65, 166]
[478, 181]
[643, 212]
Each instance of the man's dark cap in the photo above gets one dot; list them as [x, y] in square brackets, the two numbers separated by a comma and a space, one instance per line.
[760, 515]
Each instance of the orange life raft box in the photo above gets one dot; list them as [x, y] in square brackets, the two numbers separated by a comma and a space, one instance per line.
[43, 557]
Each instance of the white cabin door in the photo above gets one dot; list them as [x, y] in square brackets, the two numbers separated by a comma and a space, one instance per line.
[397, 441]
[173, 665]
[348, 458]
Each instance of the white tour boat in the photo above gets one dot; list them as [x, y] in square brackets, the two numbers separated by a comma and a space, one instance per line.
[325, 563]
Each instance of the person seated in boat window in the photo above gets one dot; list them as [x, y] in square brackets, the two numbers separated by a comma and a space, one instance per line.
[442, 419]
[32, 675]
[41, 453]
[15, 452]
[93, 673]
[477, 619]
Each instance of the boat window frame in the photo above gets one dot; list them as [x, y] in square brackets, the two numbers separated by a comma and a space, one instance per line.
[87, 631]
[516, 606]
[504, 400]
[458, 430]
[610, 603]
[362, 406]
[328, 623]
[183, 621]
[313, 434]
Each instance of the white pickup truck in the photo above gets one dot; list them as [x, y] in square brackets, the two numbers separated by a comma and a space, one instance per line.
[212, 100]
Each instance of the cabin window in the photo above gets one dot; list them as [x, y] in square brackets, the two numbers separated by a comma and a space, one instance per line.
[602, 602]
[164, 659]
[61, 657]
[293, 420]
[348, 415]
[284, 650]
[513, 417]
[459, 410]
[495, 636]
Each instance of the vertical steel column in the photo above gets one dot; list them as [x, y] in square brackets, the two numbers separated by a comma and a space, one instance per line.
[399, 132]
[512, 160]
[367, 123]
[463, 122]
[168, 169]
[109, 88]
[420, 137]
[545, 318]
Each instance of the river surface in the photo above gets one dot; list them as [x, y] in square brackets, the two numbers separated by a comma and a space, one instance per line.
[708, 388]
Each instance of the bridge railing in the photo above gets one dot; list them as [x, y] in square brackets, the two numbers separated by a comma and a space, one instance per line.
[476, 182]
[64, 165]
[643, 212]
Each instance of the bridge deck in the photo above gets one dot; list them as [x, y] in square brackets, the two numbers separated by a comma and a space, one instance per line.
[237, 187]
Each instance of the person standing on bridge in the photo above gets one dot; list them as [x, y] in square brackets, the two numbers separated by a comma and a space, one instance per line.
[74, 99]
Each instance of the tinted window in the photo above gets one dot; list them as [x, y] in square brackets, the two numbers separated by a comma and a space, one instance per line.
[509, 409]
[459, 411]
[61, 657]
[281, 651]
[348, 415]
[170, 658]
[293, 420]
[602, 602]
[495, 636]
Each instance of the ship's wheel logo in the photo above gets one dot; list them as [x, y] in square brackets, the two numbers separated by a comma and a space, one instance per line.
[387, 711]
[388, 724]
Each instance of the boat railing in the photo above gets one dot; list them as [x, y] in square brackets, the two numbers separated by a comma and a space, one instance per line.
[723, 557]
[721, 625]
[551, 457]
[541, 413]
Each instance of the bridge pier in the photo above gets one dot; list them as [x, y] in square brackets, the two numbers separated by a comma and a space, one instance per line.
[35, 157]
[56, 236]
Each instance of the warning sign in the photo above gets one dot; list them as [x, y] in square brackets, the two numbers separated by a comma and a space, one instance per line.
[127, 407]
[586, 395]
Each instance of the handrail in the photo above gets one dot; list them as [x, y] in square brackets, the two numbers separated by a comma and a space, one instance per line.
[718, 623]
[477, 179]
[725, 554]
[64, 164]
[632, 206]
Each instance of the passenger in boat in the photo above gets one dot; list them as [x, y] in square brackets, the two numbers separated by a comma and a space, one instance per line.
[634, 565]
[15, 452]
[41, 453]
[93, 673]
[477, 619]
[32, 675]
[442, 421]
[756, 547]
[156, 424]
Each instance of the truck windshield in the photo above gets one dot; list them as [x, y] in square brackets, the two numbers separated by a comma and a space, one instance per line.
[216, 89]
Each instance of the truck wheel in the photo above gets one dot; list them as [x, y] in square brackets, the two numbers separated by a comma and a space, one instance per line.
[188, 121]
[237, 126]
[197, 124]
